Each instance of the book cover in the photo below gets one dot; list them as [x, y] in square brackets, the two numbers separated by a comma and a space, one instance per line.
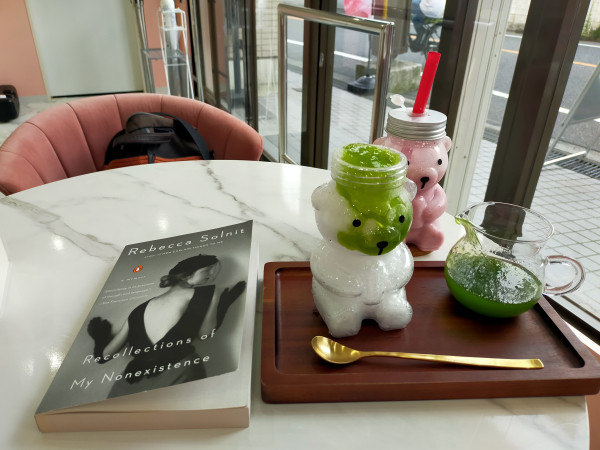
[168, 341]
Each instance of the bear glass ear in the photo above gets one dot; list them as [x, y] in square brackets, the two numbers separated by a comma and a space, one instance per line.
[411, 188]
[317, 196]
[447, 142]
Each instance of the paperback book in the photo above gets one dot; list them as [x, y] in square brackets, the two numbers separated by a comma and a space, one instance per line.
[168, 341]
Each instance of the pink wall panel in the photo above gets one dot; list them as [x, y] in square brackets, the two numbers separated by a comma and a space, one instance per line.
[19, 64]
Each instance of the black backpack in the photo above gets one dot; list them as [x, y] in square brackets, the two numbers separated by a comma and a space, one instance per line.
[9, 103]
[154, 138]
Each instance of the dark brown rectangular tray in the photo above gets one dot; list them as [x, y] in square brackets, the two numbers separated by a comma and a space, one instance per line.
[292, 373]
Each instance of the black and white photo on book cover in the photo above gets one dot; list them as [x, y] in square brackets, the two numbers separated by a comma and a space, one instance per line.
[171, 311]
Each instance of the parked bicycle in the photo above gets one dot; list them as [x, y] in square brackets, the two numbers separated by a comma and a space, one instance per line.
[427, 37]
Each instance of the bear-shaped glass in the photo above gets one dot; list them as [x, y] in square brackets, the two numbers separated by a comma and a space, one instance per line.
[497, 269]
[422, 139]
[361, 265]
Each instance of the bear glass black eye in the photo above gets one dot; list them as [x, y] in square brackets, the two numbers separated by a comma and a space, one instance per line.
[356, 223]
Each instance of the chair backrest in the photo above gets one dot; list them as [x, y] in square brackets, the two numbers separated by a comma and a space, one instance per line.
[71, 139]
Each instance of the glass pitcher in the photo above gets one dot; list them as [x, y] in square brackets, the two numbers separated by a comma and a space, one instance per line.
[497, 268]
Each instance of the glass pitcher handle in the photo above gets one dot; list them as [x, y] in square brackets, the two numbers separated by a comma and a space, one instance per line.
[576, 280]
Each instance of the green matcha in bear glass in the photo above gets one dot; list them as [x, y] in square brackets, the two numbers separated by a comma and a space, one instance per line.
[497, 268]
[361, 265]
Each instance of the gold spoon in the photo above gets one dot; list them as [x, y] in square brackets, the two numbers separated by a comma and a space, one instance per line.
[337, 353]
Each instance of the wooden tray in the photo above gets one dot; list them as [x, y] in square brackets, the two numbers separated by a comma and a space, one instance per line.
[292, 373]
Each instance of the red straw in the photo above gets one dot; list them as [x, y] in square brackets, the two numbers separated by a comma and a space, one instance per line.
[431, 65]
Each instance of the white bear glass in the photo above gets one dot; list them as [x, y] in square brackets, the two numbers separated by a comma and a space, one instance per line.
[361, 266]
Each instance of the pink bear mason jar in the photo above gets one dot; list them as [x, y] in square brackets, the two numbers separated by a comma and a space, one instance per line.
[422, 139]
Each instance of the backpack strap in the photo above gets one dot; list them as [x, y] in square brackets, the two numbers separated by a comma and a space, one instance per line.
[196, 137]
[143, 138]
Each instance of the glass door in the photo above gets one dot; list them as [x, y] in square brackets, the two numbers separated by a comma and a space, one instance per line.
[306, 147]
[267, 62]
[223, 34]
[331, 73]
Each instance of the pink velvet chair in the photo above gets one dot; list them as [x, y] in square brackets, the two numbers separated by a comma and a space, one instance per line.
[71, 139]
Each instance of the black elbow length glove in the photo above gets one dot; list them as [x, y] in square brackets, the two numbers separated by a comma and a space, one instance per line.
[100, 331]
[227, 298]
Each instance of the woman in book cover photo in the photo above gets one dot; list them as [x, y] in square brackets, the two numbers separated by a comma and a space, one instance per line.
[160, 332]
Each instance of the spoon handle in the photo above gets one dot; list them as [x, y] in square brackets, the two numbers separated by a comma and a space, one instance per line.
[464, 360]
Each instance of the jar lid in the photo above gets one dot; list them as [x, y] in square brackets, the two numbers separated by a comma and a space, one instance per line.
[424, 127]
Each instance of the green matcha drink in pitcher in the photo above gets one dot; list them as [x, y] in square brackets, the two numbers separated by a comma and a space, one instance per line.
[497, 268]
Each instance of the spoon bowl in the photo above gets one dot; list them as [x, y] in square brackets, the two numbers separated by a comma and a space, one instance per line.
[337, 353]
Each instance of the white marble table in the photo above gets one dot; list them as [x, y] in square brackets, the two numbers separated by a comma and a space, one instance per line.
[62, 239]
